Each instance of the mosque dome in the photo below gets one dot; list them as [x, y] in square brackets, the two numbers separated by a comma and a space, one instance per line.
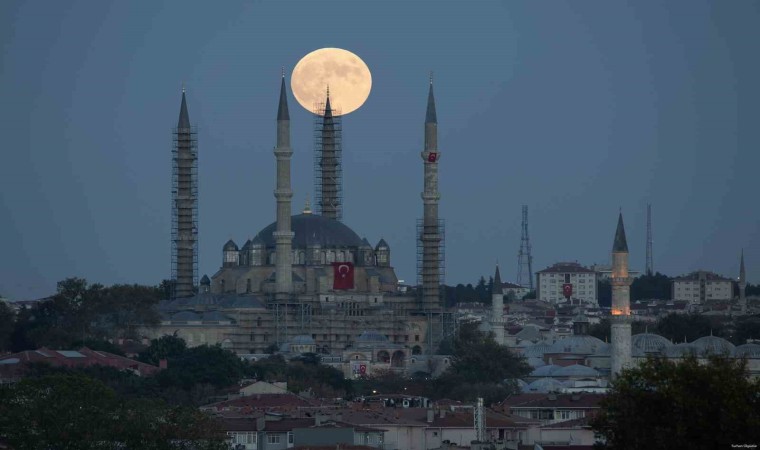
[230, 246]
[545, 371]
[535, 362]
[603, 350]
[748, 351]
[575, 370]
[680, 350]
[536, 350]
[714, 345]
[578, 344]
[310, 229]
[650, 343]
[544, 385]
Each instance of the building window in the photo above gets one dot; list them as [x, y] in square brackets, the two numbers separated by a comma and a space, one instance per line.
[273, 438]
[416, 338]
[290, 437]
[248, 285]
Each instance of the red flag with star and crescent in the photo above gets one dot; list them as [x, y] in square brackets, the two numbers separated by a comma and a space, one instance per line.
[343, 275]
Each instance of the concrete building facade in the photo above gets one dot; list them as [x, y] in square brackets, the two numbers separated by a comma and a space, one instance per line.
[551, 280]
[701, 286]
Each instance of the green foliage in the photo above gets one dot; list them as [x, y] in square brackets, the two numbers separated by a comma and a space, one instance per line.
[302, 374]
[479, 366]
[678, 327]
[747, 327]
[7, 319]
[201, 365]
[647, 287]
[530, 295]
[79, 311]
[77, 412]
[163, 348]
[664, 405]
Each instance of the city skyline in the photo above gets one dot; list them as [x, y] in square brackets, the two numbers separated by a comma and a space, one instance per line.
[618, 106]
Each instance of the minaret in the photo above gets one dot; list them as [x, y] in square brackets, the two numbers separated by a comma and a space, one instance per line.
[430, 236]
[283, 236]
[184, 205]
[621, 302]
[497, 309]
[329, 164]
[742, 286]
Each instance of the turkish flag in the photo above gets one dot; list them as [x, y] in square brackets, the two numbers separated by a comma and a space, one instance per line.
[432, 157]
[343, 275]
[567, 290]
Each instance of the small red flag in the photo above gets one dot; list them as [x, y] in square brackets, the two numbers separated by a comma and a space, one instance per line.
[343, 275]
[432, 157]
[567, 290]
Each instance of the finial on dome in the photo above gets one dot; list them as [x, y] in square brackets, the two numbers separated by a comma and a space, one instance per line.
[183, 87]
[283, 71]
[431, 77]
[307, 206]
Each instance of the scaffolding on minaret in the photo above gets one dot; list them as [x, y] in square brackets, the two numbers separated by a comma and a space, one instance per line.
[184, 235]
[438, 264]
[524, 256]
[328, 169]
[650, 263]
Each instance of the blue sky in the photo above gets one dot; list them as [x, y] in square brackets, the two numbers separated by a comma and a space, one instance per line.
[576, 109]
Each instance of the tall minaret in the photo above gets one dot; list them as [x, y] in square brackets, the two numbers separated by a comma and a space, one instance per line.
[431, 234]
[621, 302]
[329, 184]
[497, 309]
[283, 236]
[742, 286]
[184, 205]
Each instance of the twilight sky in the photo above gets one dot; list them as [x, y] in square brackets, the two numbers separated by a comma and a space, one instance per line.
[573, 108]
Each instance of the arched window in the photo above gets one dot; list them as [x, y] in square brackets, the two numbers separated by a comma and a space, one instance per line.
[330, 257]
[341, 256]
[301, 258]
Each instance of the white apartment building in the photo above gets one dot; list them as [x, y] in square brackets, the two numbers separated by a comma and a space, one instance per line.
[551, 280]
[700, 286]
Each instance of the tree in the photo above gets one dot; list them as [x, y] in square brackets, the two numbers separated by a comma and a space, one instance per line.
[647, 287]
[480, 367]
[604, 292]
[530, 295]
[708, 406]
[7, 320]
[204, 364]
[678, 327]
[68, 411]
[481, 290]
[167, 346]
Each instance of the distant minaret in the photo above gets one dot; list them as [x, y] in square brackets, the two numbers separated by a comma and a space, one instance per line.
[621, 302]
[184, 205]
[283, 236]
[431, 234]
[497, 309]
[742, 285]
[329, 183]
[650, 262]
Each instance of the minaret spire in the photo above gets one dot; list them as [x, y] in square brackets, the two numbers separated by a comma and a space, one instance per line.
[283, 194]
[328, 153]
[742, 285]
[431, 234]
[497, 311]
[621, 302]
[184, 205]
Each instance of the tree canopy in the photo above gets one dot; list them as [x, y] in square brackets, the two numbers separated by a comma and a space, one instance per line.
[72, 411]
[663, 404]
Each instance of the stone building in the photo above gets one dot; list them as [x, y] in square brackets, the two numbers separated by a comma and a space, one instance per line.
[309, 276]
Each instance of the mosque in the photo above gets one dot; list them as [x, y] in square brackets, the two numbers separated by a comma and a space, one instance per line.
[307, 282]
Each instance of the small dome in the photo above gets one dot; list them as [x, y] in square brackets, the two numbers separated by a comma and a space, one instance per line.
[536, 350]
[535, 362]
[303, 339]
[371, 336]
[382, 245]
[650, 343]
[545, 371]
[257, 241]
[603, 350]
[230, 246]
[544, 385]
[680, 350]
[247, 245]
[205, 281]
[748, 351]
[714, 345]
[575, 370]
[366, 244]
[578, 345]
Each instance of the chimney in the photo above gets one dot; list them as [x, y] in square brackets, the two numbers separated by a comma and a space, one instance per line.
[430, 415]
[261, 423]
[163, 364]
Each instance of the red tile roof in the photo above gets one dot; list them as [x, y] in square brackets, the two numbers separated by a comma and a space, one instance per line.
[17, 363]
[565, 401]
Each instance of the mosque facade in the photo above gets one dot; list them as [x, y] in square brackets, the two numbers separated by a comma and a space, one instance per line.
[309, 281]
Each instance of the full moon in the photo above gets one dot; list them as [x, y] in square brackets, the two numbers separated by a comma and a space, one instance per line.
[345, 73]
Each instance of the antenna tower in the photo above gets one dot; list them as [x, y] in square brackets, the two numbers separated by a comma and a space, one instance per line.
[650, 265]
[524, 258]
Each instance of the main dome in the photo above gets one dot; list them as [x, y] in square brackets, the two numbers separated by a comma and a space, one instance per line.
[311, 229]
